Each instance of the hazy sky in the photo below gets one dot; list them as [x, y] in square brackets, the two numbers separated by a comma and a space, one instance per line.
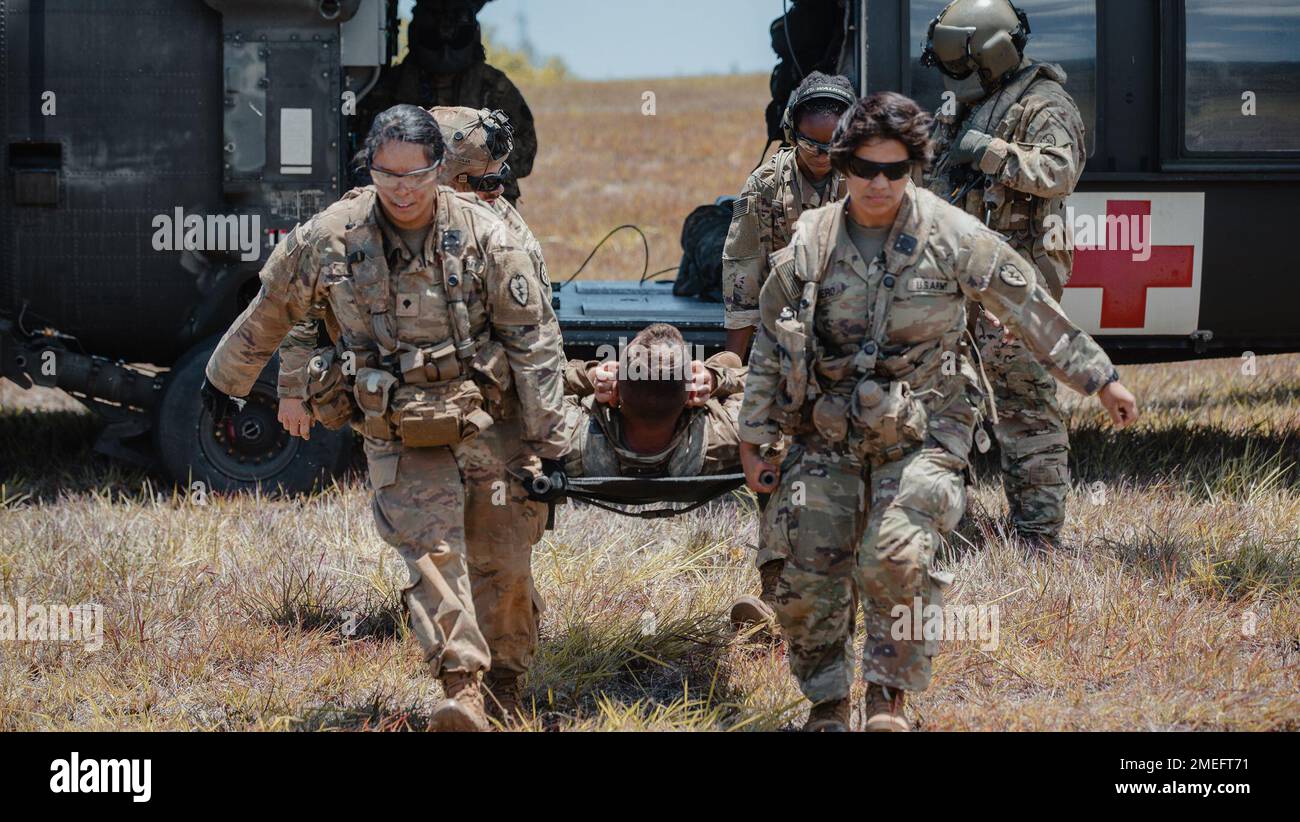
[605, 39]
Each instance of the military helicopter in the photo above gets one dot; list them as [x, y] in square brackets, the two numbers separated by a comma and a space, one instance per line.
[156, 151]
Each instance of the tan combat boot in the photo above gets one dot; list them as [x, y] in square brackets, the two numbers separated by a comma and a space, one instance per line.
[884, 709]
[504, 698]
[462, 709]
[829, 717]
[759, 610]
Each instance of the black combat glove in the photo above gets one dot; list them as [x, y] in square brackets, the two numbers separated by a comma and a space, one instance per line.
[219, 404]
[970, 148]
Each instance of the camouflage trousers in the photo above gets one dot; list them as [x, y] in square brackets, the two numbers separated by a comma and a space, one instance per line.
[1033, 441]
[847, 528]
[466, 530]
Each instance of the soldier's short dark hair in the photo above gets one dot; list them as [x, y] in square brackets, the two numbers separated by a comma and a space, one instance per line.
[403, 124]
[821, 105]
[885, 115]
[654, 373]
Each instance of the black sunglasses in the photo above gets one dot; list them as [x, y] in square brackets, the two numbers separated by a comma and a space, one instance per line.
[488, 182]
[868, 170]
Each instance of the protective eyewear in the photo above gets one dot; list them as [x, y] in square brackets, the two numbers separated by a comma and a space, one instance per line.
[392, 179]
[487, 182]
[811, 146]
[868, 170]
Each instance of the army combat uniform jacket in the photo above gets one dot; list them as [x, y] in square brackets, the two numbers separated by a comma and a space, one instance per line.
[762, 222]
[862, 363]
[297, 349]
[1034, 163]
[707, 439]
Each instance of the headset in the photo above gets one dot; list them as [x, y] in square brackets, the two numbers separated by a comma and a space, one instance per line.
[825, 91]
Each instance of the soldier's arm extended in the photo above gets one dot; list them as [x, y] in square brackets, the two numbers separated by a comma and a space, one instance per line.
[522, 320]
[1048, 160]
[728, 374]
[577, 379]
[780, 292]
[289, 281]
[744, 259]
[993, 274]
[295, 353]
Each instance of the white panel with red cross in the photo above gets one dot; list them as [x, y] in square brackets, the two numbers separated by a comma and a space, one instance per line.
[1149, 284]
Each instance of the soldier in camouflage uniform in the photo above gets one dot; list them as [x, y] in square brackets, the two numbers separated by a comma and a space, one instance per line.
[676, 422]
[446, 66]
[796, 178]
[447, 358]
[861, 361]
[1011, 155]
[477, 143]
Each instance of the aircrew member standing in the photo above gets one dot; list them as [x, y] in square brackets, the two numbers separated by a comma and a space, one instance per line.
[1010, 156]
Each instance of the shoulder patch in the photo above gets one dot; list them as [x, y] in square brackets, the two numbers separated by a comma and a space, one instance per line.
[1013, 276]
[519, 288]
[740, 207]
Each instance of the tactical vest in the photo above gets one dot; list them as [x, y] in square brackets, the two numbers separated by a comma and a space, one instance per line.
[857, 396]
[604, 456]
[421, 392]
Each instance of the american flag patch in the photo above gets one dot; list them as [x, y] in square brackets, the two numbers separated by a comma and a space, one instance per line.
[740, 208]
[786, 268]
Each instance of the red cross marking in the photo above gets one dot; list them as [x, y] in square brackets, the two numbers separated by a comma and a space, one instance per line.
[1124, 281]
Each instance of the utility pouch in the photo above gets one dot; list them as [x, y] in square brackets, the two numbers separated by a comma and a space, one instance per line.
[491, 369]
[373, 390]
[439, 415]
[430, 364]
[327, 390]
[792, 349]
[830, 416]
[889, 424]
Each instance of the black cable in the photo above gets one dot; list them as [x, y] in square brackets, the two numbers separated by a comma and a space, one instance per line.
[665, 271]
[644, 242]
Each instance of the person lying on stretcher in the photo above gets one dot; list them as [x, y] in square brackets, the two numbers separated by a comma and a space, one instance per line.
[655, 412]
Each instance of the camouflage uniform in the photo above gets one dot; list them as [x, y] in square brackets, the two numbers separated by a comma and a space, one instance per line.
[475, 341]
[873, 480]
[763, 218]
[1034, 163]
[480, 86]
[707, 439]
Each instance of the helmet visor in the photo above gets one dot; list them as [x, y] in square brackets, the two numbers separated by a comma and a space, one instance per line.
[949, 50]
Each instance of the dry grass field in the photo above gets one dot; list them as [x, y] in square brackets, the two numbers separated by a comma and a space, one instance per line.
[601, 163]
[1175, 605]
